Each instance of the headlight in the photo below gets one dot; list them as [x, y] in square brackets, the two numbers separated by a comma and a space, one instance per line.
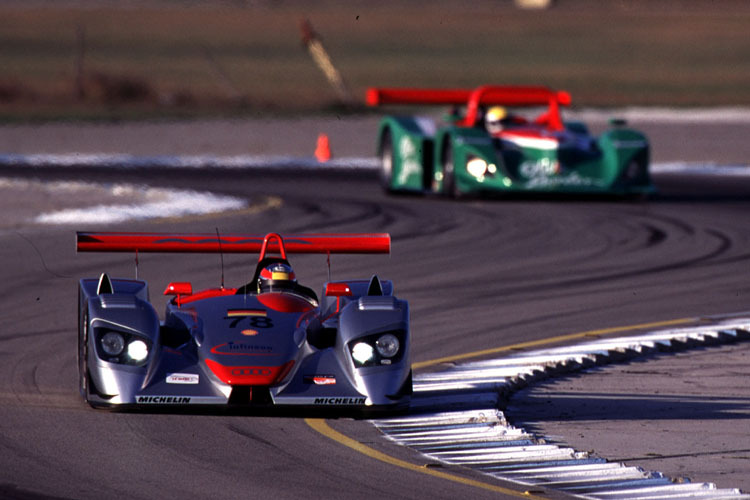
[476, 167]
[387, 345]
[137, 350]
[122, 348]
[633, 170]
[636, 168]
[363, 352]
[113, 343]
[378, 349]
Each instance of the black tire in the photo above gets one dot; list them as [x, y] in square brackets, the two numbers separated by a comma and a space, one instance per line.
[85, 384]
[385, 151]
[84, 379]
[86, 387]
[449, 172]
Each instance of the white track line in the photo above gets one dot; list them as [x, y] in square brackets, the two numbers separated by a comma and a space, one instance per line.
[249, 162]
[174, 204]
[727, 115]
[477, 435]
[143, 202]
[124, 161]
[704, 168]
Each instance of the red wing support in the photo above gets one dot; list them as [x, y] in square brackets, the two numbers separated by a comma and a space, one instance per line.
[351, 243]
[270, 237]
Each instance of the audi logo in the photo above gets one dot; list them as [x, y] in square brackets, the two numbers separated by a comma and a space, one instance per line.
[250, 371]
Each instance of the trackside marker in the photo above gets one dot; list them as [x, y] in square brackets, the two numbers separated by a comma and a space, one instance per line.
[323, 149]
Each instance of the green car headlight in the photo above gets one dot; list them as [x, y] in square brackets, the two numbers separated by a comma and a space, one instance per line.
[633, 170]
[476, 167]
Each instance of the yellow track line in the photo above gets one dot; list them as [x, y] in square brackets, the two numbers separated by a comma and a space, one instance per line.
[552, 340]
[323, 428]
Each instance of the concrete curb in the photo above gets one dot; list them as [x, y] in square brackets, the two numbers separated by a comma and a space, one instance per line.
[455, 418]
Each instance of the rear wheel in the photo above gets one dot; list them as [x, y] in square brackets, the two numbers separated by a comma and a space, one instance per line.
[386, 160]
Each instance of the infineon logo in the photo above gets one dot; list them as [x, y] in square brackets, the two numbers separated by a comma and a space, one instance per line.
[183, 378]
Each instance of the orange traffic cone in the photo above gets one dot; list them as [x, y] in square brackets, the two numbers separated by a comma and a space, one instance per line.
[323, 149]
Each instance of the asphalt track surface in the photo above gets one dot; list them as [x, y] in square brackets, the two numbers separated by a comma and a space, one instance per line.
[478, 274]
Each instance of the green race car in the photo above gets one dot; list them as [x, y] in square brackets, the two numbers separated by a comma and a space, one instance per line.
[487, 146]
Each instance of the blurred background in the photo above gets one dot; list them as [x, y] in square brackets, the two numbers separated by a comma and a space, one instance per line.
[180, 58]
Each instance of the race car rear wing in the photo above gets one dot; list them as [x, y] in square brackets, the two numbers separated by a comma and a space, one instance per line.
[351, 243]
[487, 95]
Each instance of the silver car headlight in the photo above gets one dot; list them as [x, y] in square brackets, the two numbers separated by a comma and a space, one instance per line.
[113, 343]
[387, 345]
[362, 352]
[121, 347]
[378, 349]
[137, 350]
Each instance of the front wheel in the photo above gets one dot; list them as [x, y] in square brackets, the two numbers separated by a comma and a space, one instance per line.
[449, 173]
[84, 382]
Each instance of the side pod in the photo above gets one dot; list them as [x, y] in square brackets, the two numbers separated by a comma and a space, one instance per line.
[118, 334]
[405, 148]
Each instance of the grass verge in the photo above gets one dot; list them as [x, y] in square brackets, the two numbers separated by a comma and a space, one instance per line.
[94, 60]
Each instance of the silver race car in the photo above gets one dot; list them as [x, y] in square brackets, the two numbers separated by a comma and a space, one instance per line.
[267, 342]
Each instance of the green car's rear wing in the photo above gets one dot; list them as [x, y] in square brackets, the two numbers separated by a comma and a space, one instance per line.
[486, 95]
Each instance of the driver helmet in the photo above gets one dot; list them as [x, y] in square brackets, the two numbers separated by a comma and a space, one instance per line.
[276, 274]
[494, 117]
